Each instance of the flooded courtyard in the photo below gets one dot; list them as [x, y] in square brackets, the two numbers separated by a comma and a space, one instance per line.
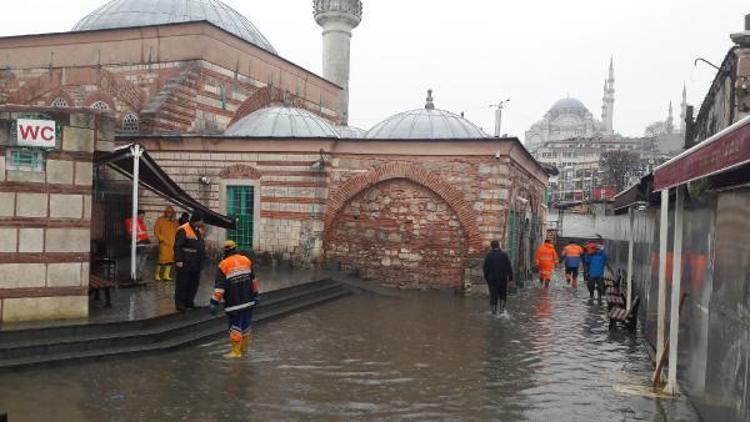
[423, 356]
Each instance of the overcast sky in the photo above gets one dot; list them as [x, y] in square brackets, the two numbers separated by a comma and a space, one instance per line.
[476, 52]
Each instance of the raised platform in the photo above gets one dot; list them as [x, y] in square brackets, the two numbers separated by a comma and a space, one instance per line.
[143, 320]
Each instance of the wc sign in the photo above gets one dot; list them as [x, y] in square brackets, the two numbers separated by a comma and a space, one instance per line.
[36, 133]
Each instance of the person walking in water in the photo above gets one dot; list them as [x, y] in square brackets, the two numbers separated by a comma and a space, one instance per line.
[498, 273]
[597, 263]
[236, 287]
[189, 252]
[546, 261]
[571, 256]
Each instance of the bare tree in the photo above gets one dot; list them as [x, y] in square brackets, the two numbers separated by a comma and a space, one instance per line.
[619, 167]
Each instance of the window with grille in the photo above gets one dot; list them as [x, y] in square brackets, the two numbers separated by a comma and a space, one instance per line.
[24, 160]
[100, 105]
[241, 207]
[59, 102]
[130, 123]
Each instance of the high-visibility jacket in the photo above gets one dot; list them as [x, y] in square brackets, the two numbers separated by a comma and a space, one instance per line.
[165, 231]
[546, 259]
[235, 283]
[572, 255]
[142, 232]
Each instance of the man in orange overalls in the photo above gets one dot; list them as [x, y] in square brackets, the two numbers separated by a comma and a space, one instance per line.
[546, 261]
[138, 230]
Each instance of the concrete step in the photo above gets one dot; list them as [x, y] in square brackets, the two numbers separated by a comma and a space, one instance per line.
[172, 332]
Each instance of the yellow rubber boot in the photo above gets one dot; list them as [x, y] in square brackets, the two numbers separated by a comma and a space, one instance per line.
[245, 343]
[157, 274]
[167, 273]
[236, 350]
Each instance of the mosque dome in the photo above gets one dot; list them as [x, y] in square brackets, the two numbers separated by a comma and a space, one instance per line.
[282, 122]
[350, 132]
[568, 104]
[135, 13]
[426, 123]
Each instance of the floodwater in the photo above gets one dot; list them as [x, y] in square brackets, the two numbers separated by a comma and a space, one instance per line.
[424, 356]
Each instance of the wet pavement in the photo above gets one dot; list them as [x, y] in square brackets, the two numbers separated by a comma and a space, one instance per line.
[156, 298]
[423, 356]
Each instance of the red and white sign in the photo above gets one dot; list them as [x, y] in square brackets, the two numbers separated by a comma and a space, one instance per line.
[36, 133]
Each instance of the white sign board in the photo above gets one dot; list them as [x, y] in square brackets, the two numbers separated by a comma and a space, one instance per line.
[36, 133]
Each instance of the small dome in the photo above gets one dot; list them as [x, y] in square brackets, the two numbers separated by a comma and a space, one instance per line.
[282, 122]
[135, 13]
[426, 123]
[350, 132]
[568, 103]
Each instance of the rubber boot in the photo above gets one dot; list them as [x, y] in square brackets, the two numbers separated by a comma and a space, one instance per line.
[245, 343]
[494, 309]
[502, 307]
[157, 273]
[236, 351]
[167, 273]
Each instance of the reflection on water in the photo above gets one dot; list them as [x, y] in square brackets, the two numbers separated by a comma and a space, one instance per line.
[427, 356]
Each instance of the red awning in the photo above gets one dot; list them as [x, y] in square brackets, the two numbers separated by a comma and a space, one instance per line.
[722, 152]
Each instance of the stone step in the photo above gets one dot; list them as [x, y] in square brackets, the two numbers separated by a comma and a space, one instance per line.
[163, 337]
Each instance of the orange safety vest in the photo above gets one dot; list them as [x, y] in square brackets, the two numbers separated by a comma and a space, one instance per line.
[546, 257]
[142, 232]
[573, 251]
[189, 232]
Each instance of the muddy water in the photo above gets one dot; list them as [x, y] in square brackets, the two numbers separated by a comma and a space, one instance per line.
[424, 356]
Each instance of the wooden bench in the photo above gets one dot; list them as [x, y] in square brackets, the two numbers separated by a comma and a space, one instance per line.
[618, 310]
[97, 284]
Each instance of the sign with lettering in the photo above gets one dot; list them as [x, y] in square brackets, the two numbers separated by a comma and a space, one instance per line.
[36, 133]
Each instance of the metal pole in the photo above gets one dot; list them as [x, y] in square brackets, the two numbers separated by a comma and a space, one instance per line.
[674, 324]
[662, 300]
[631, 243]
[137, 151]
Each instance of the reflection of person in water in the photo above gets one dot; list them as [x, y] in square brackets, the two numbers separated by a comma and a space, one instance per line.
[543, 305]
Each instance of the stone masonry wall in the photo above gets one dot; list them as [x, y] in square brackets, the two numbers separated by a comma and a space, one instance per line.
[45, 218]
[401, 234]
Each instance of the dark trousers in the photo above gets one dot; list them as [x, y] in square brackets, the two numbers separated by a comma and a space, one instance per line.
[240, 321]
[186, 287]
[498, 291]
[595, 283]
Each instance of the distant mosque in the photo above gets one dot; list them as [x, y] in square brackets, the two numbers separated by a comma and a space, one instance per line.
[569, 118]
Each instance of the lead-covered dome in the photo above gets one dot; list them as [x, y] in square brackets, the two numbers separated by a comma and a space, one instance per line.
[282, 122]
[426, 123]
[568, 104]
[135, 13]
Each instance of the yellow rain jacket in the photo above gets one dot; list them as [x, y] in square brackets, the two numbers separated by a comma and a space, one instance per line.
[165, 230]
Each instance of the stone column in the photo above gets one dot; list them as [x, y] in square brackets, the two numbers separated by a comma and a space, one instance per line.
[338, 18]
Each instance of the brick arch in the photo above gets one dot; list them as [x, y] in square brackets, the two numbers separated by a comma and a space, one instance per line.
[263, 97]
[240, 171]
[100, 96]
[338, 200]
[59, 93]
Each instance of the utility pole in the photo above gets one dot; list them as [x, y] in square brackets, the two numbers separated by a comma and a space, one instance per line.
[499, 116]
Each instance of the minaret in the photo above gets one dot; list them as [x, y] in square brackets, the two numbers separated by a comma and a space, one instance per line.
[683, 109]
[609, 95]
[670, 119]
[338, 18]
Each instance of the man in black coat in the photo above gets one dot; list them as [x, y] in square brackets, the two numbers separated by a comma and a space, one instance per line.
[498, 273]
[189, 254]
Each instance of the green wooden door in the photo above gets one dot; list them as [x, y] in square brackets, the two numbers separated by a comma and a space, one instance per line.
[241, 206]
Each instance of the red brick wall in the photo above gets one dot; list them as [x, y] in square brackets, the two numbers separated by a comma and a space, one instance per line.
[402, 234]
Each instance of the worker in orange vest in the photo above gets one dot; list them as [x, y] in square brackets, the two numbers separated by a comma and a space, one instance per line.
[546, 261]
[589, 251]
[142, 242]
[237, 288]
[571, 256]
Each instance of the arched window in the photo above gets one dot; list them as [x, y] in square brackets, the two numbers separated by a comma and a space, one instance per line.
[59, 102]
[100, 105]
[130, 123]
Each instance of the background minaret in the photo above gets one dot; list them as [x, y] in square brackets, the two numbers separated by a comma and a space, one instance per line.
[683, 109]
[609, 95]
[338, 18]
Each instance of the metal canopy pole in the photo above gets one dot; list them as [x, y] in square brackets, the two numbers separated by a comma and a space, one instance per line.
[674, 324]
[631, 242]
[662, 299]
[137, 151]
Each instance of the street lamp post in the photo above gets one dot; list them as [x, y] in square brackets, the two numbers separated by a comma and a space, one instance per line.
[499, 116]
